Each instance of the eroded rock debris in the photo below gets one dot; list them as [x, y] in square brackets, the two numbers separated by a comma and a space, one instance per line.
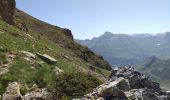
[125, 83]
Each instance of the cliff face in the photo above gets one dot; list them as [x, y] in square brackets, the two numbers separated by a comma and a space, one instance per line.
[7, 10]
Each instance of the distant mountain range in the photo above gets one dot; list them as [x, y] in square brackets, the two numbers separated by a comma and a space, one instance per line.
[123, 49]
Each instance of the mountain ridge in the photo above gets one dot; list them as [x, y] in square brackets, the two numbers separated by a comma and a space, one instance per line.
[131, 47]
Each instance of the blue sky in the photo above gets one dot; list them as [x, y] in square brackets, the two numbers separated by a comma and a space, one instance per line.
[91, 18]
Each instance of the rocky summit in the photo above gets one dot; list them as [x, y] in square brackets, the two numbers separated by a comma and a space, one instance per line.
[125, 83]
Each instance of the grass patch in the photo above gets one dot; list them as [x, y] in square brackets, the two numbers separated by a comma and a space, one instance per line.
[73, 85]
[3, 57]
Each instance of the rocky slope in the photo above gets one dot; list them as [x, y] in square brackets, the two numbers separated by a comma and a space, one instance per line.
[37, 59]
[125, 83]
[62, 37]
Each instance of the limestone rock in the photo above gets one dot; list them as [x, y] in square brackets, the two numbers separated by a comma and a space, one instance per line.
[136, 79]
[47, 58]
[108, 91]
[126, 83]
[29, 54]
[58, 71]
[38, 94]
[12, 92]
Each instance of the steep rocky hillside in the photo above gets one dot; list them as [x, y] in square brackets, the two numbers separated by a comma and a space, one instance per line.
[42, 61]
[62, 37]
[126, 83]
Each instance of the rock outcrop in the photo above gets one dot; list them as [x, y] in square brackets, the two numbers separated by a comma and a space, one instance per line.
[7, 11]
[12, 92]
[47, 58]
[125, 83]
[38, 94]
[4, 68]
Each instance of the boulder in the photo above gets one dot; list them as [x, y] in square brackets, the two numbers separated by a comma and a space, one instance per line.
[68, 33]
[130, 96]
[108, 91]
[46, 58]
[12, 92]
[135, 79]
[147, 94]
[38, 94]
[126, 83]
[58, 71]
[28, 54]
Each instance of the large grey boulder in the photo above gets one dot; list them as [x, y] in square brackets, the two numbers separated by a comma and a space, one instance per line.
[108, 91]
[29, 54]
[46, 58]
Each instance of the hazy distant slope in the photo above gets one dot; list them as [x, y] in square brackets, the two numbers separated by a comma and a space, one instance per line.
[158, 69]
[122, 49]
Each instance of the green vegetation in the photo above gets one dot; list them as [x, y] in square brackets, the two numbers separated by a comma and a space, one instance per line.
[3, 58]
[61, 37]
[74, 85]
[76, 78]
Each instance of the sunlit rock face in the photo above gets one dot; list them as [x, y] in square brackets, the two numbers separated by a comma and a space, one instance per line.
[125, 83]
[7, 9]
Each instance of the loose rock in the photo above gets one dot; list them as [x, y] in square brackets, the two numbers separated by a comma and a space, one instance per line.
[126, 83]
[47, 58]
[12, 92]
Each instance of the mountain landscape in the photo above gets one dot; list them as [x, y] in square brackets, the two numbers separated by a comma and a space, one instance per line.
[148, 53]
[37, 56]
[40, 61]
[123, 49]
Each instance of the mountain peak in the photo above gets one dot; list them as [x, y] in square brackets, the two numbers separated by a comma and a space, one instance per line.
[107, 33]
